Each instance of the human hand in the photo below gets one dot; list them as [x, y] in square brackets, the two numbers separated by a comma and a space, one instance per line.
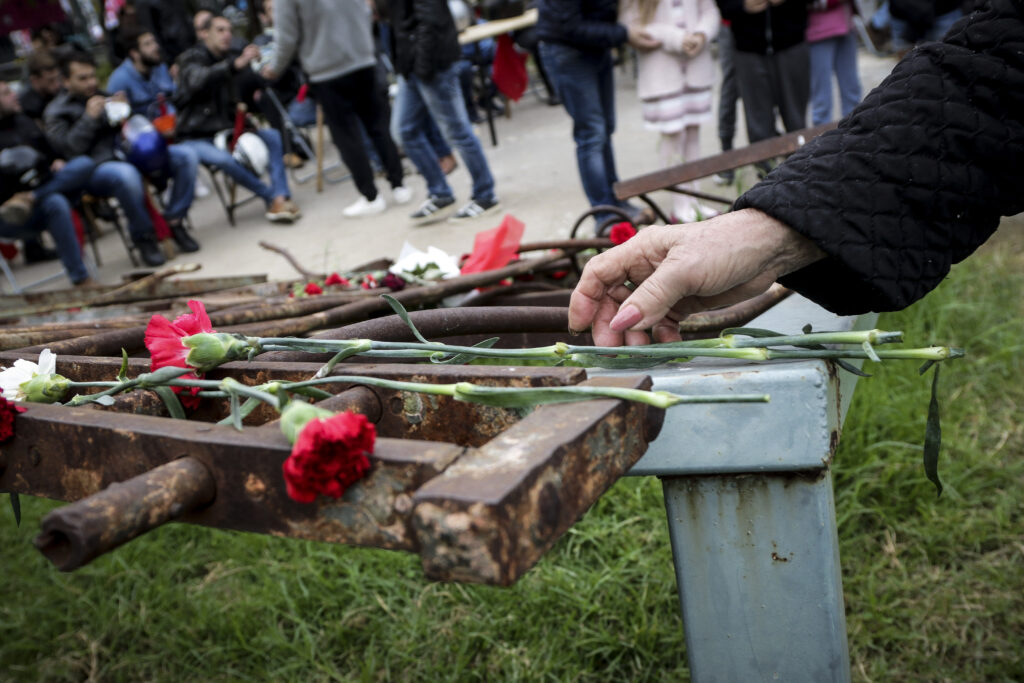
[94, 106]
[268, 73]
[755, 6]
[642, 40]
[57, 165]
[173, 71]
[119, 96]
[250, 53]
[693, 43]
[679, 270]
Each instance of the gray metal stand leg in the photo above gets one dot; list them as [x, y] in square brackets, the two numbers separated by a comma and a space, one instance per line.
[757, 562]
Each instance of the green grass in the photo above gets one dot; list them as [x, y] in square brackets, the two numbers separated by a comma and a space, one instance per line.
[933, 586]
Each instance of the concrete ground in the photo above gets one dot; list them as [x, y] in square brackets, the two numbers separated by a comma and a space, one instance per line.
[534, 166]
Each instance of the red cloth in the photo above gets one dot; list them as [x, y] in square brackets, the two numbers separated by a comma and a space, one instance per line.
[509, 69]
[160, 227]
[494, 248]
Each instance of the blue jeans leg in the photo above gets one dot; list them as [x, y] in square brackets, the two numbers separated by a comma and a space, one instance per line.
[53, 214]
[210, 155]
[581, 79]
[823, 56]
[71, 179]
[122, 180]
[184, 166]
[846, 73]
[413, 118]
[278, 173]
[443, 97]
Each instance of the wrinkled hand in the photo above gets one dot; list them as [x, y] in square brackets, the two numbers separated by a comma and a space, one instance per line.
[642, 40]
[94, 106]
[755, 6]
[679, 270]
[57, 165]
[693, 43]
[243, 60]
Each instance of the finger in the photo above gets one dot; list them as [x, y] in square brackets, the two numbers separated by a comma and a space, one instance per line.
[636, 338]
[603, 273]
[601, 329]
[667, 331]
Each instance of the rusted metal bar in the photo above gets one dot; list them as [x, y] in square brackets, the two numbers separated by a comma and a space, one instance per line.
[498, 509]
[737, 314]
[567, 245]
[74, 535]
[708, 166]
[19, 340]
[71, 453]
[39, 302]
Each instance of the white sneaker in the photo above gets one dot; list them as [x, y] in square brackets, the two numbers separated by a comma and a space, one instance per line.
[401, 194]
[201, 189]
[364, 207]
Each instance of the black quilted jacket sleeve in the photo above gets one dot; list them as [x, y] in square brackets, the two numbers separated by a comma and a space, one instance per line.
[918, 176]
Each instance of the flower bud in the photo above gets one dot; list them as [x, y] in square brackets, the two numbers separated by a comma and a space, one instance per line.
[297, 415]
[45, 388]
[210, 349]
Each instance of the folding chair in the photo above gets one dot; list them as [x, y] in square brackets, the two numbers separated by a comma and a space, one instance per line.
[91, 209]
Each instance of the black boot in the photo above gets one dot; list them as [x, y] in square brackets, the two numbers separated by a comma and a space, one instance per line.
[182, 238]
[150, 251]
[35, 252]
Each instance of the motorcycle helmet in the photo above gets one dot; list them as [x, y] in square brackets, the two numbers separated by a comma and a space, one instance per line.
[23, 167]
[250, 150]
[144, 146]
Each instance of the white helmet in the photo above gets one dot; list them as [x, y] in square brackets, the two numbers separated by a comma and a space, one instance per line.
[250, 150]
[460, 13]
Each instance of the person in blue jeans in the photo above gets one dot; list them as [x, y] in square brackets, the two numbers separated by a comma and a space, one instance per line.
[206, 106]
[426, 49]
[576, 42]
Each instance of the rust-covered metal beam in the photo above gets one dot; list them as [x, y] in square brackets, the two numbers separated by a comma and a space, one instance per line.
[70, 453]
[498, 509]
[74, 535]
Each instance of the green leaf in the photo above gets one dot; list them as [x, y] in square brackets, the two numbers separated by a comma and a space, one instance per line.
[122, 374]
[927, 366]
[16, 506]
[236, 413]
[170, 400]
[851, 368]
[400, 311]
[591, 360]
[312, 392]
[933, 437]
[753, 332]
[870, 351]
[461, 358]
[250, 405]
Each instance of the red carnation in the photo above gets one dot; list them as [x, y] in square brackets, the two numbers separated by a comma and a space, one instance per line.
[313, 289]
[163, 340]
[8, 411]
[621, 232]
[393, 282]
[335, 279]
[369, 282]
[329, 455]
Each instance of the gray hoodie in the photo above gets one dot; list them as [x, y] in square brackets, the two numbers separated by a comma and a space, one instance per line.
[332, 37]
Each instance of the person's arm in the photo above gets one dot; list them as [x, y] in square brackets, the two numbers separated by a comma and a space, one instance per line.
[71, 138]
[287, 34]
[194, 77]
[426, 42]
[918, 176]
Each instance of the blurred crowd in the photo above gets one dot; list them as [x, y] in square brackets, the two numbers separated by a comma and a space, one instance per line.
[232, 88]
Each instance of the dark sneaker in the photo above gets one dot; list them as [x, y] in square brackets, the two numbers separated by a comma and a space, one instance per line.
[433, 209]
[477, 208]
[150, 251]
[181, 237]
[724, 178]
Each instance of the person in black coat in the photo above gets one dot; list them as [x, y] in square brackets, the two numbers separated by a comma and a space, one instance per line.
[867, 217]
[576, 40]
[426, 48]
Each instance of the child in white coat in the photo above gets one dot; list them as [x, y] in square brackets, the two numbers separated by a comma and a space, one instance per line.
[674, 81]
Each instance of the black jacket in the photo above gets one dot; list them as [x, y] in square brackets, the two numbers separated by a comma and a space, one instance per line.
[777, 28]
[71, 133]
[206, 94]
[918, 175]
[19, 129]
[425, 39]
[33, 104]
[588, 25]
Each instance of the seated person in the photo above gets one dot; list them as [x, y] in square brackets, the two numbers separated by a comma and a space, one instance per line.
[44, 82]
[77, 124]
[25, 213]
[206, 79]
[142, 76]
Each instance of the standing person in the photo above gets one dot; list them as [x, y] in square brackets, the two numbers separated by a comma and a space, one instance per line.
[674, 82]
[727, 97]
[426, 48]
[772, 66]
[833, 48]
[334, 41]
[169, 22]
[577, 37]
[207, 100]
